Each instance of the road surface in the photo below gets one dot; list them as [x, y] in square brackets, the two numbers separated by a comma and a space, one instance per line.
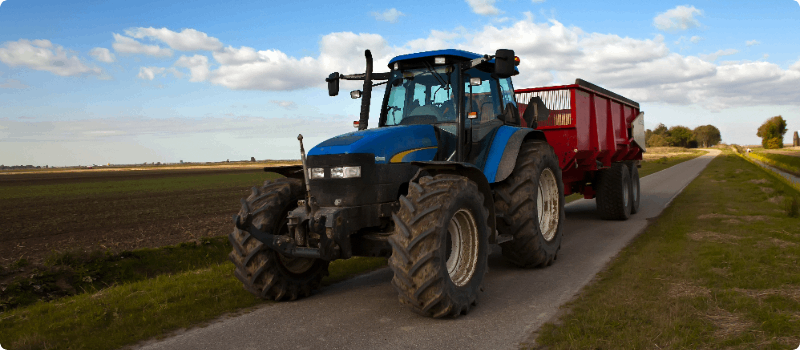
[364, 313]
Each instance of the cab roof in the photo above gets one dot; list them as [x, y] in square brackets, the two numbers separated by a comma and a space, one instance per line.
[453, 53]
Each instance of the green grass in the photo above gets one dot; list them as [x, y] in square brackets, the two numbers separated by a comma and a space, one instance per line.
[131, 312]
[718, 269]
[786, 163]
[70, 273]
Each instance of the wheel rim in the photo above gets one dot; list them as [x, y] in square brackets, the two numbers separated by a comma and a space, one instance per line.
[294, 265]
[463, 253]
[547, 204]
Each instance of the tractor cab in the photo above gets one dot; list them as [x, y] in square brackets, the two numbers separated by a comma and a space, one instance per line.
[461, 96]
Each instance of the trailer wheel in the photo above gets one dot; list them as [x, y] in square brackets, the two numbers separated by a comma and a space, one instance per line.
[636, 195]
[264, 272]
[440, 246]
[614, 199]
[530, 207]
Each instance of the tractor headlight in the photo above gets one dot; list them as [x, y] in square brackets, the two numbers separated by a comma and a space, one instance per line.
[316, 173]
[346, 172]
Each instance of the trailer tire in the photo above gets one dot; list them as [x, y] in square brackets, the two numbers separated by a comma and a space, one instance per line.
[529, 209]
[264, 272]
[636, 195]
[613, 194]
[440, 246]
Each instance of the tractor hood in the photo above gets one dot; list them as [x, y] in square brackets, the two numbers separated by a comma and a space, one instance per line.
[396, 144]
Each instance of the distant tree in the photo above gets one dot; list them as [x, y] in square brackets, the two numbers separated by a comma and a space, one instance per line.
[657, 141]
[661, 129]
[707, 135]
[647, 134]
[679, 136]
[772, 131]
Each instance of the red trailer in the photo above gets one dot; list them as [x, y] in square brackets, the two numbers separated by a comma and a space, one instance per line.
[590, 129]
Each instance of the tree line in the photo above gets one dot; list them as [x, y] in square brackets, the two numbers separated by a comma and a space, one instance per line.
[681, 136]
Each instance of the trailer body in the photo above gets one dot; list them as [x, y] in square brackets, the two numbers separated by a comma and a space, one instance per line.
[589, 127]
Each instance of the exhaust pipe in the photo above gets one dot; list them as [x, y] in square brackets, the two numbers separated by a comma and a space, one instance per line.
[366, 94]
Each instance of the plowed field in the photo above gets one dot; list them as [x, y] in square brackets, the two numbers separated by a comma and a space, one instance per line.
[116, 210]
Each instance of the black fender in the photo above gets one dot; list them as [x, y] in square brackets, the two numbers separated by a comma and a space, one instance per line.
[469, 171]
[509, 159]
[290, 171]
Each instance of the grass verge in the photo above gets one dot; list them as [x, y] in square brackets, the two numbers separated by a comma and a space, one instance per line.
[130, 312]
[718, 269]
[789, 164]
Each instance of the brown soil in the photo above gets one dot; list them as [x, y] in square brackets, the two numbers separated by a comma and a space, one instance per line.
[33, 228]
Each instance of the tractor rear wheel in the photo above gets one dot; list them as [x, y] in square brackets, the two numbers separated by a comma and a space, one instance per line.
[264, 272]
[440, 246]
[530, 207]
[614, 200]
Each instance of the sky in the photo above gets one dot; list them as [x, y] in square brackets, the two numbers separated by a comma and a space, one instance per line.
[123, 82]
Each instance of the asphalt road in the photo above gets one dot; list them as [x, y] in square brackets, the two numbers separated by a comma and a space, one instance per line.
[364, 313]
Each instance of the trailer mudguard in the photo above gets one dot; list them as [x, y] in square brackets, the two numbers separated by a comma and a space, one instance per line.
[433, 168]
[504, 150]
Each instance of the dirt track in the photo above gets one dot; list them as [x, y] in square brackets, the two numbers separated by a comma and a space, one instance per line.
[33, 227]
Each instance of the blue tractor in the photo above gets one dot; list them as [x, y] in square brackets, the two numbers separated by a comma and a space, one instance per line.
[447, 172]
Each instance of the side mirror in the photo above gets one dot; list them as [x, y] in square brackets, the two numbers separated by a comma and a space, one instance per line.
[333, 84]
[504, 63]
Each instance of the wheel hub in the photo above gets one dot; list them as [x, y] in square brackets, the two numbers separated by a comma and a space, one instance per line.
[547, 204]
[462, 258]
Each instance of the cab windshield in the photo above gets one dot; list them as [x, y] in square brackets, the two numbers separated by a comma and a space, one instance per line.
[421, 96]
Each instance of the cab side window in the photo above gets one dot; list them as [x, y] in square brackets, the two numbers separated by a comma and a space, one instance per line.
[507, 92]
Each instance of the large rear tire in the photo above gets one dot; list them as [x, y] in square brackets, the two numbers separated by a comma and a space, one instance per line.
[264, 272]
[440, 246]
[530, 207]
[614, 200]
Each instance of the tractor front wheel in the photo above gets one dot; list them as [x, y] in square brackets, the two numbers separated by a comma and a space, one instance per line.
[440, 246]
[264, 272]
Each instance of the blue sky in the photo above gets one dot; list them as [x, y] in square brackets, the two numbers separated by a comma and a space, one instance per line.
[130, 82]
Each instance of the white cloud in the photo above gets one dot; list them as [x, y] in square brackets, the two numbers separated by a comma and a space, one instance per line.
[643, 69]
[677, 19]
[43, 55]
[149, 73]
[12, 84]
[285, 104]
[695, 39]
[483, 7]
[198, 67]
[124, 44]
[391, 15]
[753, 42]
[102, 54]
[713, 57]
[1, 2]
[234, 57]
[187, 40]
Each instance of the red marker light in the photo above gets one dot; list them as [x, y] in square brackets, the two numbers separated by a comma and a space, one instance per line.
[516, 60]
[355, 124]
